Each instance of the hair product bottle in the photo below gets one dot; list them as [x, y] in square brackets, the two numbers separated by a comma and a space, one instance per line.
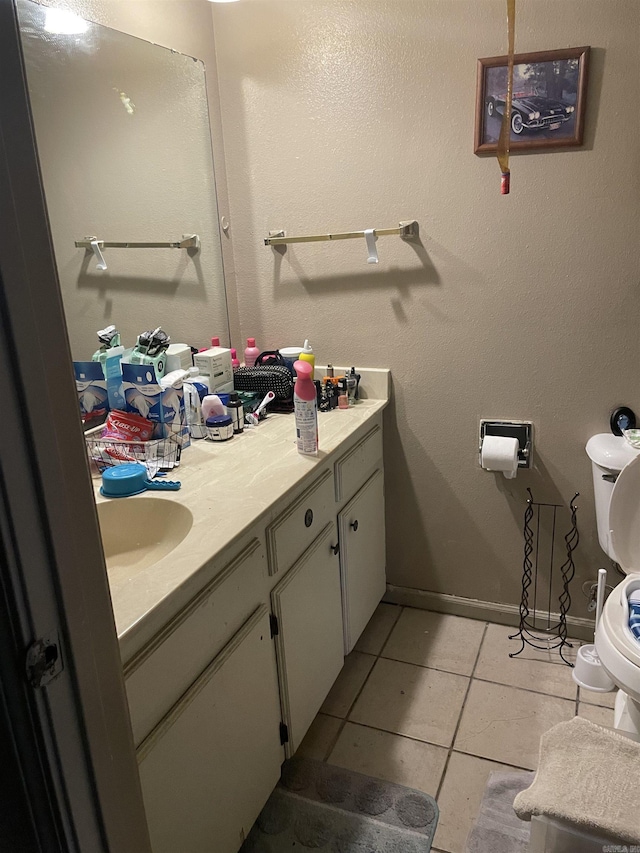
[251, 352]
[307, 354]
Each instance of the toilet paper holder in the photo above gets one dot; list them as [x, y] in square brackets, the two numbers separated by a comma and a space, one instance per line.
[522, 430]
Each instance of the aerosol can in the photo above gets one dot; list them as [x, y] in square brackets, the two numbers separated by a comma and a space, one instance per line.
[306, 409]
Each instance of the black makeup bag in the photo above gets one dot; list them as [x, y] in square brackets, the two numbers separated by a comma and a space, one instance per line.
[269, 374]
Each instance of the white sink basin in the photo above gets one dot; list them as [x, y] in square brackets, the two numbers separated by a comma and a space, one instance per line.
[137, 532]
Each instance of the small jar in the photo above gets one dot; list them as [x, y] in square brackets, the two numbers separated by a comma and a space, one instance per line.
[219, 428]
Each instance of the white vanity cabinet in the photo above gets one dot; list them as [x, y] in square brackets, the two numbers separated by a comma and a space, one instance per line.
[229, 686]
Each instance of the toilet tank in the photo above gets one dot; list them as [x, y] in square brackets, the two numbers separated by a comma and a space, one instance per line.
[608, 454]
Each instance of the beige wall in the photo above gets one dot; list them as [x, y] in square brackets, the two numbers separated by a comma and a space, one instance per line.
[186, 292]
[347, 114]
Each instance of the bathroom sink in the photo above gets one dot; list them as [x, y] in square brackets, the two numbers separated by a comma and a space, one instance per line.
[137, 532]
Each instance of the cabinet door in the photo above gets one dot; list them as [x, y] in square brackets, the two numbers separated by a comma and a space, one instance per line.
[362, 557]
[310, 649]
[209, 766]
[162, 671]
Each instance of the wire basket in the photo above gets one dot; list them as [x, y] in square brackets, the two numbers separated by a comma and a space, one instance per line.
[161, 454]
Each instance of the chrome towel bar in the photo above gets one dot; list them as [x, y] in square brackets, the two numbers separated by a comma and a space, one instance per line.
[191, 241]
[405, 229]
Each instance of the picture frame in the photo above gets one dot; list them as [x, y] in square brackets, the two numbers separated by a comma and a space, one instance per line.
[548, 103]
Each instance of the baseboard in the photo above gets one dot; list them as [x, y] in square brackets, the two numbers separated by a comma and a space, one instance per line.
[473, 608]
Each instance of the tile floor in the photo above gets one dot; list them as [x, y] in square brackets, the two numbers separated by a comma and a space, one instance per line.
[435, 702]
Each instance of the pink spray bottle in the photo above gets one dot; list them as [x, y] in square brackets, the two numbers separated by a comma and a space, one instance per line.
[306, 409]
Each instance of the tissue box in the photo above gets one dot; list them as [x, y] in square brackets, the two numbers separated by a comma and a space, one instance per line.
[91, 386]
[144, 395]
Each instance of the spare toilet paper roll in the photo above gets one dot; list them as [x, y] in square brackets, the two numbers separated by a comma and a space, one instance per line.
[500, 453]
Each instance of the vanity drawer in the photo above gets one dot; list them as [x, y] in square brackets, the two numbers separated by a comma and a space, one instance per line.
[296, 528]
[355, 466]
[161, 672]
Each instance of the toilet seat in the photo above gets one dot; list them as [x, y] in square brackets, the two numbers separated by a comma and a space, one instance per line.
[618, 649]
[614, 622]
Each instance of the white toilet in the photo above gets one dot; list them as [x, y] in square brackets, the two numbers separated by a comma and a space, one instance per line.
[616, 484]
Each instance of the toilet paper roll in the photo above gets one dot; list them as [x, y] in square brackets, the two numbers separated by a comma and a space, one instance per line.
[500, 453]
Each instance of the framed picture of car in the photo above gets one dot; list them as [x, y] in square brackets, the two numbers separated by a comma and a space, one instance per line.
[548, 102]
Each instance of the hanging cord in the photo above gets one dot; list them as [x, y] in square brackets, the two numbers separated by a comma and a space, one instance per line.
[505, 127]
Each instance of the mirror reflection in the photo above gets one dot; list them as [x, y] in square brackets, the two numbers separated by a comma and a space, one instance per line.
[122, 128]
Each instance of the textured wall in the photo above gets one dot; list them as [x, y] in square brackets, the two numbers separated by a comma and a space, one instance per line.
[147, 176]
[347, 114]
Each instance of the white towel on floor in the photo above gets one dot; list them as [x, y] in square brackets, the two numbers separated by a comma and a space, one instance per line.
[589, 776]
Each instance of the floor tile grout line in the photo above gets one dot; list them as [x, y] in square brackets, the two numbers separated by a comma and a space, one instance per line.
[345, 719]
[492, 760]
[334, 741]
[357, 696]
[388, 637]
[377, 658]
[477, 677]
[464, 702]
[396, 734]
[425, 666]
[525, 689]
[449, 749]
[593, 705]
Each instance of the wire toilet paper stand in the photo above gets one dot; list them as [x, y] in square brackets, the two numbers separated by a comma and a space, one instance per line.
[540, 627]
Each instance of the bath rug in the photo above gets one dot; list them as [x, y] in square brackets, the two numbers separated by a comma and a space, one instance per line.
[317, 806]
[497, 829]
[588, 776]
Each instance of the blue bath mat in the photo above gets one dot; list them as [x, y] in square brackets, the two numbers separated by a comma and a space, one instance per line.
[317, 806]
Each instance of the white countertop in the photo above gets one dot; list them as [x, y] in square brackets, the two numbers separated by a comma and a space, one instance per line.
[227, 486]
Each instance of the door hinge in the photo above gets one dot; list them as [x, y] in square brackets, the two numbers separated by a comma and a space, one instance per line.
[284, 733]
[44, 660]
[273, 625]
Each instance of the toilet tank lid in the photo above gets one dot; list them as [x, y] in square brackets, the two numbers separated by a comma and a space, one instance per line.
[610, 451]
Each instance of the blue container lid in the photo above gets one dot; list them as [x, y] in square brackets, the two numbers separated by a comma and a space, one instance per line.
[122, 481]
[224, 398]
[219, 421]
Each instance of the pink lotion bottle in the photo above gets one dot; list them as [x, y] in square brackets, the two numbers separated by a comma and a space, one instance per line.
[251, 352]
[235, 364]
[306, 409]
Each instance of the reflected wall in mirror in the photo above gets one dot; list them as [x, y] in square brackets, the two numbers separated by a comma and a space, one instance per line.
[122, 128]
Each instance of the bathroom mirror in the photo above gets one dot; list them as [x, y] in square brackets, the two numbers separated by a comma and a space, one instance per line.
[122, 128]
